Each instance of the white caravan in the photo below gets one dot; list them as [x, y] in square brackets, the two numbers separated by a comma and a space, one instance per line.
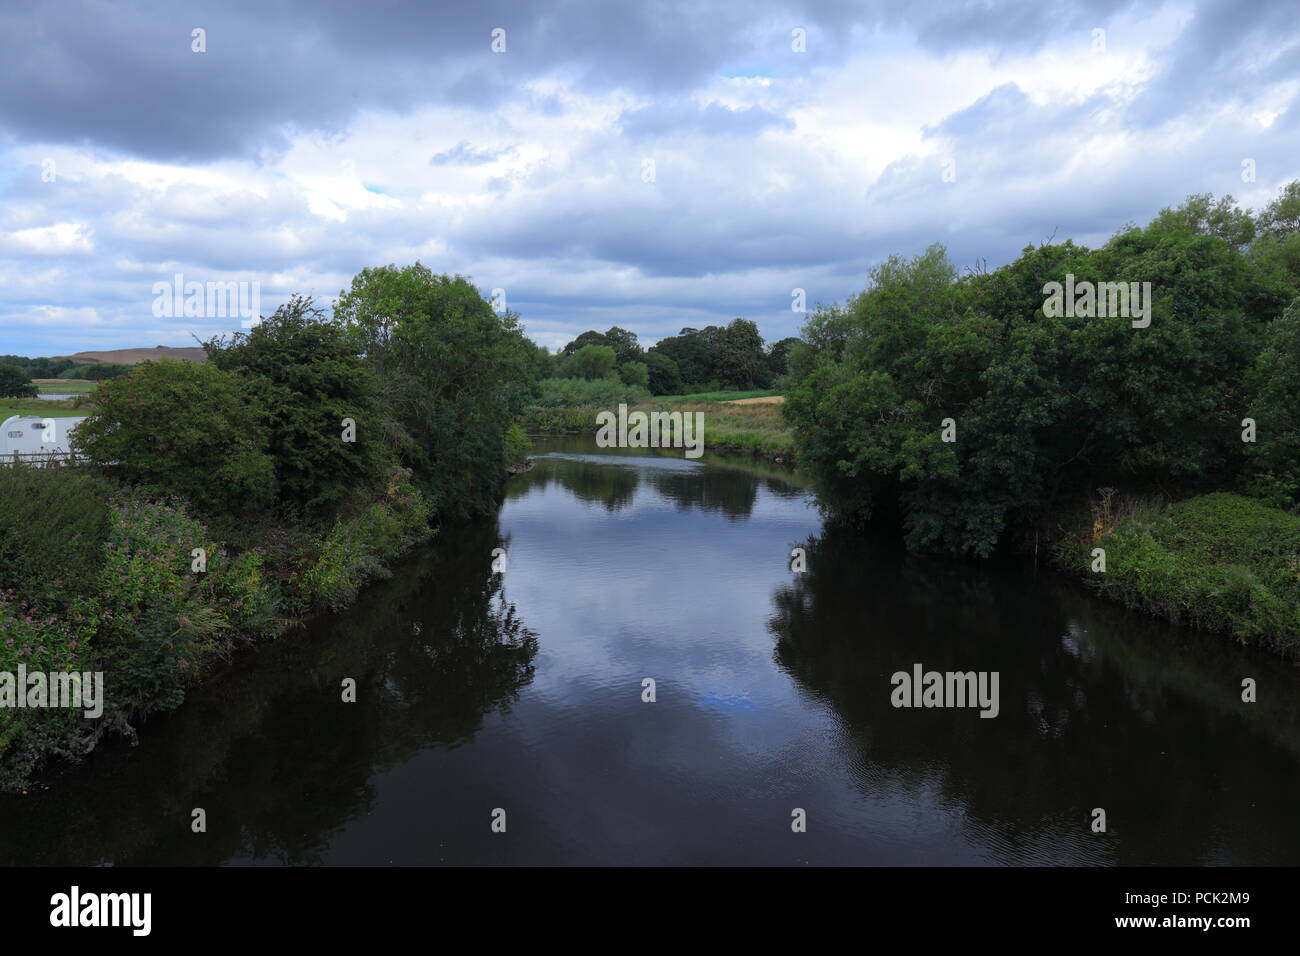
[35, 435]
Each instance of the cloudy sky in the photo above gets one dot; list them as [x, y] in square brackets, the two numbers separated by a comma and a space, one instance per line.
[651, 165]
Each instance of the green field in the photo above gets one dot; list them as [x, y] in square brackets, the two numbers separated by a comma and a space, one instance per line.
[61, 387]
[38, 406]
[756, 429]
[718, 396]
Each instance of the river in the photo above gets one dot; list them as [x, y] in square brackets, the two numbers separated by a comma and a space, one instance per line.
[523, 691]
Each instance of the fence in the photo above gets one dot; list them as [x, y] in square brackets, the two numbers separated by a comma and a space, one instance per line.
[44, 459]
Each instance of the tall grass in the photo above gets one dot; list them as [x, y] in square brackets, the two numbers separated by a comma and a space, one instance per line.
[1219, 561]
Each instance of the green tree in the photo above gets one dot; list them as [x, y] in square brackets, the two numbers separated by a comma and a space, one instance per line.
[15, 383]
[691, 353]
[185, 429]
[307, 377]
[590, 337]
[454, 373]
[662, 374]
[1273, 461]
[778, 357]
[625, 345]
[635, 373]
[738, 356]
[593, 361]
[1042, 409]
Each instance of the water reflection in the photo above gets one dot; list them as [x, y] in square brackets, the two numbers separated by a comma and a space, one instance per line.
[1100, 708]
[524, 691]
[269, 749]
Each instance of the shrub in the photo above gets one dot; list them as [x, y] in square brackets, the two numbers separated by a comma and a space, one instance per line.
[560, 392]
[53, 522]
[183, 429]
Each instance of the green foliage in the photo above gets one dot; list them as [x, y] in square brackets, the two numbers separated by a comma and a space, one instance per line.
[183, 429]
[664, 378]
[53, 523]
[455, 376]
[593, 362]
[305, 376]
[778, 358]
[356, 548]
[738, 359]
[557, 392]
[1045, 408]
[38, 367]
[1273, 461]
[625, 345]
[1218, 561]
[590, 337]
[635, 373]
[691, 352]
[95, 372]
[15, 383]
[516, 445]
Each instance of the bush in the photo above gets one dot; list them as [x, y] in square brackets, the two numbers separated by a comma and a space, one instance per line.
[560, 392]
[183, 429]
[305, 376]
[53, 522]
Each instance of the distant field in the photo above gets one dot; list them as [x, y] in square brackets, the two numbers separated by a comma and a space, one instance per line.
[38, 406]
[50, 410]
[741, 426]
[64, 385]
[717, 396]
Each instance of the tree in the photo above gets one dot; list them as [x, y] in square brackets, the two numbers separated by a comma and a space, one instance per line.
[590, 337]
[185, 429]
[691, 354]
[635, 373]
[594, 361]
[1201, 215]
[1273, 461]
[738, 358]
[963, 408]
[662, 374]
[15, 383]
[1281, 217]
[307, 378]
[778, 357]
[625, 345]
[455, 375]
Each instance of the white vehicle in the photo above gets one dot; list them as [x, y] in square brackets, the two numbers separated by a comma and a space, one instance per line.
[35, 435]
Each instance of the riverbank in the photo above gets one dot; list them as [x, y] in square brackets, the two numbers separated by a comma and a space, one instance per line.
[744, 427]
[153, 597]
[1220, 562]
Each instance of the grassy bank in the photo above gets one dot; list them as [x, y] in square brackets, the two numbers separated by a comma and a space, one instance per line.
[1218, 561]
[43, 407]
[97, 577]
[755, 430]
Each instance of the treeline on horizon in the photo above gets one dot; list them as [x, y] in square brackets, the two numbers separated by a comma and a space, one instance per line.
[17, 372]
[600, 368]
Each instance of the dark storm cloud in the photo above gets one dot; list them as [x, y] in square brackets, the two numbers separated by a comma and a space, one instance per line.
[123, 75]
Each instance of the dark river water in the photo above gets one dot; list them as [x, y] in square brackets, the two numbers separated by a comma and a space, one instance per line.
[523, 691]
